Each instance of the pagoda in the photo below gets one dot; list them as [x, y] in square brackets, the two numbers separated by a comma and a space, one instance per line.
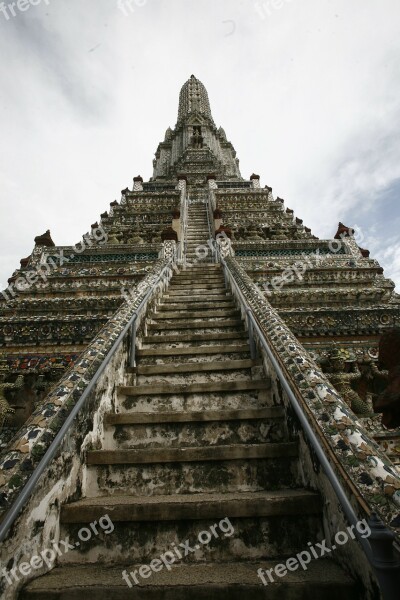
[200, 353]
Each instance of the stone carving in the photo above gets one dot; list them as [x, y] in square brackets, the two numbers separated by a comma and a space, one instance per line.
[44, 240]
[343, 372]
[169, 249]
[343, 231]
[5, 409]
[136, 238]
[388, 403]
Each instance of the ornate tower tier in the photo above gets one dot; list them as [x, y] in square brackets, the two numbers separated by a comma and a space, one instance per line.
[195, 147]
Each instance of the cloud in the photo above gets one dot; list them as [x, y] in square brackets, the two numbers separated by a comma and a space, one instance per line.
[309, 96]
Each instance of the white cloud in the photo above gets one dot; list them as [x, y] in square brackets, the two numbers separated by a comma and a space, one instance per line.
[309, 97]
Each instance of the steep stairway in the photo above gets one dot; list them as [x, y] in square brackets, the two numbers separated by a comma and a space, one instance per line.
[196, 455]
[197, 233]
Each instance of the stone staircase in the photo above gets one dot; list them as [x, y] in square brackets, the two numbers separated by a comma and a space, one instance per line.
[195, 448]
[197, 232]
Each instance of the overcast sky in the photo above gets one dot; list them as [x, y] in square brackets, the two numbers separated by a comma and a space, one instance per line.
[308, 93]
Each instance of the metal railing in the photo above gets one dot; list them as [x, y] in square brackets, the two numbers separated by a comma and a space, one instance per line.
[379, 549]
[131, 326]
[211, 233]
[184, 224]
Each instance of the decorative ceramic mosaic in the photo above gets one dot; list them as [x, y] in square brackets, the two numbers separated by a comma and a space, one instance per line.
[368, 468]
[35, 437]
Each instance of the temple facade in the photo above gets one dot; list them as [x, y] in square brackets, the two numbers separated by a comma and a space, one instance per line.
[187, 418]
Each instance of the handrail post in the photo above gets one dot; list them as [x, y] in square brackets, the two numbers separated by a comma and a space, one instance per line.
[384, 561]
[250, 328]
[132, 357]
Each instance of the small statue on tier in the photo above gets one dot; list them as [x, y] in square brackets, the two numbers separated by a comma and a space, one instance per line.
[342, 373]
[5, 408]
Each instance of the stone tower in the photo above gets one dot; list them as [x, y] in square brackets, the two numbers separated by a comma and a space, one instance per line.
[195, 147]
[186, 395]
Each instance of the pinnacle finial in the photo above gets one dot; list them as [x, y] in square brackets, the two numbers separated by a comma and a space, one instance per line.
[193, 97]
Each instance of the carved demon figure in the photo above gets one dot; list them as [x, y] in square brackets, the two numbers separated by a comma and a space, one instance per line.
[5, 409]
[343, 373]
[388, 402]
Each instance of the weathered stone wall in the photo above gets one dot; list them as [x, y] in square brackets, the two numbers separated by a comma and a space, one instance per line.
[37, 527]
[370, 480]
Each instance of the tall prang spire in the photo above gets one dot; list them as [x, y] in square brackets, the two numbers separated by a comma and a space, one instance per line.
[195, 147]
[194, 98]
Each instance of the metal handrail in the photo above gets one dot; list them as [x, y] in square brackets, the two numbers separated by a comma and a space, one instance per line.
[337, 486]
[28, 489]
[184, 226]
[379, 552]
[210, 235]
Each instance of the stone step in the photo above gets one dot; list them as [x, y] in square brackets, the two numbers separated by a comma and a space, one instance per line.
[201, 295]
[193, 277]
[207, 401]
[193, 259]
[207, 290]
[160, 479]
[195, 375]
[144, 541]
[195, 281]
[194, 325]
[221, 299]
[193, 506]
[196, 434]
[195, 388]
[202, 269]
[192, 454]
[194, 314]
[197, 350]
[206, 581]
[190, 306]
[188, 359]
[196, 367]
[199, 337]
[197, 288]
[211, 267]
[139, 418]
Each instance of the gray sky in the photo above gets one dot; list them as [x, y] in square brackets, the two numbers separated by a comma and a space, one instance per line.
[308, 93]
